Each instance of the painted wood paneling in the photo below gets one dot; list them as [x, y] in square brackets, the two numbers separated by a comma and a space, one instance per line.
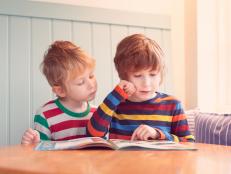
[61, 30]
[154, 34]
[117, 34]
[41, 39]
[4, 81]
[101, 50]
[82, 35]
[168, 78]
[83, 14]
[135, 30]
[19, 74]
[26, 35]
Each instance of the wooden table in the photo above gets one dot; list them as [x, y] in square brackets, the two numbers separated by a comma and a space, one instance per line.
[208, 159]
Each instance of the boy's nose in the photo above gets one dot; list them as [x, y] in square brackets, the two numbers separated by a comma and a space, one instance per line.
[91, 84]
[146, 81]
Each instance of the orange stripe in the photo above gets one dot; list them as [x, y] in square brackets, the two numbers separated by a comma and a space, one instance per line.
[164, 99]
[121, 92]
[178, 117]
[93, 131]
[162, 136]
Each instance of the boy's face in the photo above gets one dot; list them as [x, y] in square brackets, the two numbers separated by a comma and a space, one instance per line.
[147, 82]
[81, 88]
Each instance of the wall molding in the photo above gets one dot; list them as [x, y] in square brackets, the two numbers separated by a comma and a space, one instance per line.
[81, 13]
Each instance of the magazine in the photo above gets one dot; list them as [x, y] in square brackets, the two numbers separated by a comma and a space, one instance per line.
[115, 144]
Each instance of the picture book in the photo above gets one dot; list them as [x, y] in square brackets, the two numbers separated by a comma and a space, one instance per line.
[115, 144]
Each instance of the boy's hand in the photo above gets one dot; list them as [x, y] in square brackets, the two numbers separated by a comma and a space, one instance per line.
[128, 87]
[30, 136]
[145, 132]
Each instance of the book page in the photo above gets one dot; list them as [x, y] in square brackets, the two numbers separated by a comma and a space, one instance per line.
[152, 144]
[78, 143]
[74, 144]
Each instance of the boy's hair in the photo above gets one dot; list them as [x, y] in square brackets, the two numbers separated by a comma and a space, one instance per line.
[137, 52]
[64, 59]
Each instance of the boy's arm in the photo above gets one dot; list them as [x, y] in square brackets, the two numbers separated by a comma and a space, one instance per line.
[179, 127]
[99, 123]
[41, 125]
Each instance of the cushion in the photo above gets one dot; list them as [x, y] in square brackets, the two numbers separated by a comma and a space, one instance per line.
[191, 114]
[213, 128]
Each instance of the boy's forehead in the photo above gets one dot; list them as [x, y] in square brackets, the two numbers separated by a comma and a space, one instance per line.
[77, 74]
[150, 69]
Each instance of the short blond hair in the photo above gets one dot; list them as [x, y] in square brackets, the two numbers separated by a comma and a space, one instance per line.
[61, 58]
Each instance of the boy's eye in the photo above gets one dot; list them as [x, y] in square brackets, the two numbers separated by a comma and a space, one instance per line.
[153, 74]
[80, 83]
[137, 75]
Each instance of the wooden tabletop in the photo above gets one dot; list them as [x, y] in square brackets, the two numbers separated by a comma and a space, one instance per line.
[208, 159]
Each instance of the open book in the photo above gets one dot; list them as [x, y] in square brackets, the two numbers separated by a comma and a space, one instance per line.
[115, 144]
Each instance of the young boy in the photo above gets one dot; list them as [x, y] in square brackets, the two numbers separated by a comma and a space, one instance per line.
[70, 73]
[139, 112]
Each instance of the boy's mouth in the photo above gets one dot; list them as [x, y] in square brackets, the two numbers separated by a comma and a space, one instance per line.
[93, 93]
[145, 92]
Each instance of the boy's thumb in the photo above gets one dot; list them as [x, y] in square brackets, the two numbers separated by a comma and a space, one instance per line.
[37, 137]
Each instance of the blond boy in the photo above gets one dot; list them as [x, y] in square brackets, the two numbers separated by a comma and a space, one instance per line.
[70, 73]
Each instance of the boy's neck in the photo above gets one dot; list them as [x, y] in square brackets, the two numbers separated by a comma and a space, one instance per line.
[135, 99]
[74, 106]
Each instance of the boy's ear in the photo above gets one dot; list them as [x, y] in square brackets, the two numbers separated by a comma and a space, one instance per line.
[59, 91]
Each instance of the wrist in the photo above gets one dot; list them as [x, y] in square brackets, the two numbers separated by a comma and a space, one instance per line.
[121, 92]
[160, 135]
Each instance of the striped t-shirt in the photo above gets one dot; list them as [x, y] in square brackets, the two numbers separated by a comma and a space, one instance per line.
[120, 117]
[55, 122]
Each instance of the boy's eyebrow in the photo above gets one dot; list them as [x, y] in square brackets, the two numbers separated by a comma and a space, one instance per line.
[78, 79]
[81, 77]
[154, 70]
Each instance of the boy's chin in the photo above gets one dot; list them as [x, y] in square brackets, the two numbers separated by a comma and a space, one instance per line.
[136, 99]
[139, 98]
[91, 98]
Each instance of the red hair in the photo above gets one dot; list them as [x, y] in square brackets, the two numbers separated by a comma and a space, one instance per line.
[138, 52]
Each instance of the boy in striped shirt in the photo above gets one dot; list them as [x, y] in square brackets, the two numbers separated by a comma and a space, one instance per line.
[135, 110]
[70, 73]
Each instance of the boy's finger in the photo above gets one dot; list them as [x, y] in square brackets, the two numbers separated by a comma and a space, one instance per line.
[37, 137]
[134, 135]
[142, 134]
[146, 136]
[35, 133]
[25, 140]
[30, 130]
[28, 135]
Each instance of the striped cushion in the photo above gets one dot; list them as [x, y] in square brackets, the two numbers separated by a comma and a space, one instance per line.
[191, 114]
[213, 128]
